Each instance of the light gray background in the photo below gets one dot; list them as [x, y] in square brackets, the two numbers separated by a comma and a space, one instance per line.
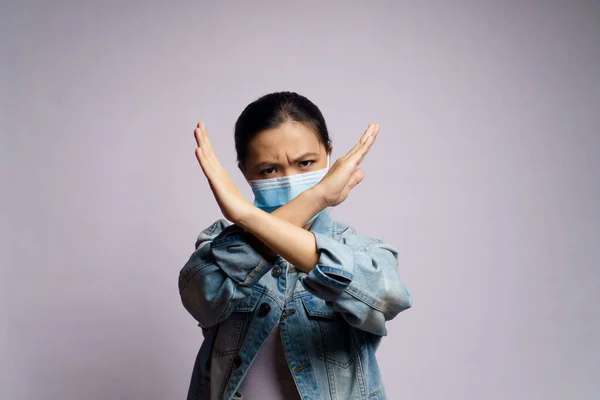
[485, 176]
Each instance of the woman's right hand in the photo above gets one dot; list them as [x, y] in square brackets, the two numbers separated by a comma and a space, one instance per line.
[345, 174]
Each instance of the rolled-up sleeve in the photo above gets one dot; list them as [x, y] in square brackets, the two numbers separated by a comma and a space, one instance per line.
[219, 273]
[238, 259]
[334, 271]
[361, 282]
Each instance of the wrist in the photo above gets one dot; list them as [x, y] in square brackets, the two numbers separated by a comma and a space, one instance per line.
[249, 217]
[317, 196]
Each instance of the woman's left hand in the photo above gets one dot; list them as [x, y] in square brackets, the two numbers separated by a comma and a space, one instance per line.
[345, 174]
[232, 203]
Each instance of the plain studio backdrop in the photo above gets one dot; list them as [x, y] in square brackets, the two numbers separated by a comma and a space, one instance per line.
[485, 176]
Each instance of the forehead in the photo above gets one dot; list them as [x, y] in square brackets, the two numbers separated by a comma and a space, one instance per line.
[288, 140]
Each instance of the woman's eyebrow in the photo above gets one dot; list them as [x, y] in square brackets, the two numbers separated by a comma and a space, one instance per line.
[264, 164]
[310, 153]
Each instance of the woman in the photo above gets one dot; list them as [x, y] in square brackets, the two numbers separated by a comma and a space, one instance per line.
[291, 302]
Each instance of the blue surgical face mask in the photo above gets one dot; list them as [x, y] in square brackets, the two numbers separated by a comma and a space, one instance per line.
[270, 194]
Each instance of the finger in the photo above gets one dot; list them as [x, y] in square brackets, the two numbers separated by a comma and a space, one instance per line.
[208, 149]
[204, 143]
[204, 137]
[357, 177]
[206, 164]
[362, 151]
[370, 134]
[367, 144]
[200, 157]
[201, 137]
[197, 133]
[363, 138]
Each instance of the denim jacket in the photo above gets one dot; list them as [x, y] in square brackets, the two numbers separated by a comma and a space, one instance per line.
[332, 319]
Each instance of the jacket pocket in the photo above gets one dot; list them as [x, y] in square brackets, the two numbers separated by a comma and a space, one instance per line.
[232, 329]
[332, 335]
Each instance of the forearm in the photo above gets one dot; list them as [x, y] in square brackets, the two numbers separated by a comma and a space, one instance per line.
[302, 208]
[297, 212]
[287, 237]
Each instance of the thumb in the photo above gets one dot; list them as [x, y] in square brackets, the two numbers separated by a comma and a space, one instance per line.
[357, 176]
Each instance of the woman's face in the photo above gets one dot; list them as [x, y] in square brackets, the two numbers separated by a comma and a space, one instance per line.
[292, 148]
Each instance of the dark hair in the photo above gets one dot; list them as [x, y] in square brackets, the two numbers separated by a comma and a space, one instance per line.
[272, 110]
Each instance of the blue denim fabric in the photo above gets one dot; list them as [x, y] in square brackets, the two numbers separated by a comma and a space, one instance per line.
[332, 319]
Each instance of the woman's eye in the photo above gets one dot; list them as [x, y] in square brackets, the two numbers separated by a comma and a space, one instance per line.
[267, 171]
[303, 163]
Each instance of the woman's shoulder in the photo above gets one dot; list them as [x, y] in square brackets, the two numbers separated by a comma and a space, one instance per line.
[348, 235]
[220, 228]
[216, 227]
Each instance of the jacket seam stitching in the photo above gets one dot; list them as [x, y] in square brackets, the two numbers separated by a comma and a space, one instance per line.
[358, 294]
[193, 271]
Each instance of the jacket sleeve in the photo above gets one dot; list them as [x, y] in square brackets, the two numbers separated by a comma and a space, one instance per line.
[219, 274]
[360, 281]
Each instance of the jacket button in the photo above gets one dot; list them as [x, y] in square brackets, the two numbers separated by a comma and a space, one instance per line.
[276, 271]
[237, 360]
[264, 309]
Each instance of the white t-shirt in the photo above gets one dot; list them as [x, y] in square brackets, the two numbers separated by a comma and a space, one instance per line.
[269, 376]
